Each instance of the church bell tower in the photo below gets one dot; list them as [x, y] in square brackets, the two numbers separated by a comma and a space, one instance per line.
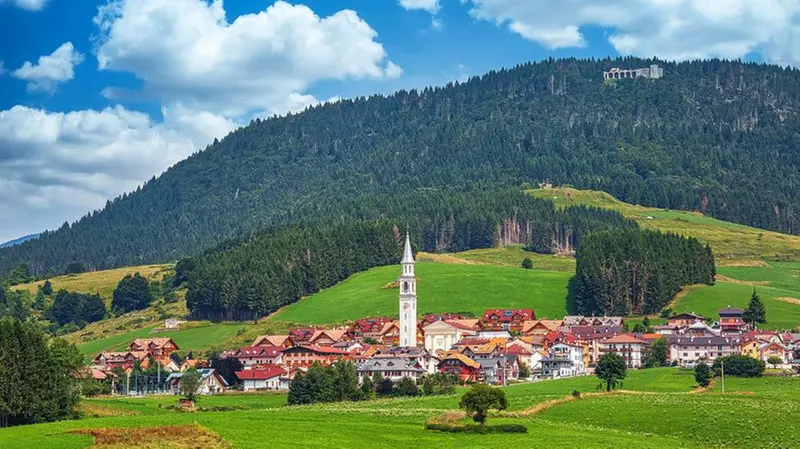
[408, 298]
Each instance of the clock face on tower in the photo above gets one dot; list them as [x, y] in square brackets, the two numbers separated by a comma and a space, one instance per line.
[405, 306]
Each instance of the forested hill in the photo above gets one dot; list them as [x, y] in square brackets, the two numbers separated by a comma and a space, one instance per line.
[716, 136]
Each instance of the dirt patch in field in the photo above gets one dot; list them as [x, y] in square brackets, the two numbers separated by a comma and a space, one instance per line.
[171, 437]
[788, 299]
[445, 258]
[101, 411]
[723, 278]
[742, 263]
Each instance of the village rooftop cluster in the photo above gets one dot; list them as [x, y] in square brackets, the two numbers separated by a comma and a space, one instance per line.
[494, 349]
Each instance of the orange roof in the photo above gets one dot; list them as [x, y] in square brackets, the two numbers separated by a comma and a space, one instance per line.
[271, 340]
[463, 359]
[463, 324]
[333, 334]
[547, 324]
[387, 327]
[623, 338]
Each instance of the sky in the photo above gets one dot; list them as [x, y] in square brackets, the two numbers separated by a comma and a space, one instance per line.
[98, 96]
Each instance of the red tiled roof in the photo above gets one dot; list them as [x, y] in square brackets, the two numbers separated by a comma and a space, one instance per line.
[507, 315]
[517, 350]
[324, 350]
[261, 373]
[257, 351]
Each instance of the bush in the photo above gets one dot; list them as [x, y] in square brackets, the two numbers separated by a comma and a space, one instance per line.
[527, 263]
[703, 374]
[576, 394]
[474, 428]
[740, 366]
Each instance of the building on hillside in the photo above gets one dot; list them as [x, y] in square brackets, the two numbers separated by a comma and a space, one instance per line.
[687, 351]
[427, 360]
[393, 368]
[775, 349]
[157, 348]
[628, 346]
[259, 355]
[329, 337]
[592, 336]
[499, 370]
[699, 329]
[540, 327]
[573, 352]
[281, 341]
[408, 298]
[211, 382]
[305, 356]
[263, 377]
[442, 335]
[652, 72]
[730, 320]
[466, 369]
[125, 360]
[299, 336]
[509, 320]
[684, 319]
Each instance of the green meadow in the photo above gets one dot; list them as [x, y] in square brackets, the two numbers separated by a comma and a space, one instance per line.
[661, 410]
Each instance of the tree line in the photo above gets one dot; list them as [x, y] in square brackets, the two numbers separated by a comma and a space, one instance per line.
[623, 272]
[704, 137]
[247, 278]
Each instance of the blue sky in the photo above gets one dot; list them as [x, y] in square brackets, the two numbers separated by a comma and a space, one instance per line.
[97, 96]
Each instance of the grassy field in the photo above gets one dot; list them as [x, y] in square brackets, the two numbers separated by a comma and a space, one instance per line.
[441, 288]
[664, 414]
[102, 282]
[730, 241]
[509, 256]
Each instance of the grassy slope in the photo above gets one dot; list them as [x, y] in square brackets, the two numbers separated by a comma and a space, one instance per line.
[102, 282]
[729, 240]
[668, 417]
[441, 288]
[509, 256]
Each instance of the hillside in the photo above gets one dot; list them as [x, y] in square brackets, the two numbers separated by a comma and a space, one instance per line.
[19, 241]
[730, 241]
[707, 136]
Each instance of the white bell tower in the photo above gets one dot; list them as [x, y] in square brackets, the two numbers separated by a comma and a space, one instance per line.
[408, 299]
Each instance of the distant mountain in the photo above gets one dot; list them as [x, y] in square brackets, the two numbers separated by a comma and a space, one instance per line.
[722, 137]
[19, 240]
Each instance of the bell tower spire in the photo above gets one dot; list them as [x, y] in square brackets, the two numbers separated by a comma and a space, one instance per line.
[408, 298]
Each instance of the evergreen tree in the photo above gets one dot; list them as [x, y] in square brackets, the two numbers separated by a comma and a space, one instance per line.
[755, 311]
[703, 374]
[47, 288]
[611, 370]
[657, 353]
[132, 293]
[299, 391]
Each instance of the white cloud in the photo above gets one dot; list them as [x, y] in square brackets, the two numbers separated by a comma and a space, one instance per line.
[671, 29]
[33, 5]
[51, 70]
[54, 167]
[432, 6]
[437, 24]
[186, 51]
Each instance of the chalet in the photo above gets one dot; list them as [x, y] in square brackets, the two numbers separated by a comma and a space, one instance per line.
[442, 335]
[460, 365]
[300, 336]
[580, 320]
[390, 334]
[393, 368]
[684, 319]
[349, 346]
[523, 354]
[125, 360]
[476, 352]
[167, 364]
[499, 370]
[628, 346]
[429, 362]
[434, 317]
[259, 355]
[156, 347]
[263, 377]
[750, 347]
[540, 327]
[730, 320]
[188, 364]
[211, 382]
[282, 341]
[573, 352]
[775, 349]
[510, 320]
[305, 356]
[592, 336]
[328, 337]
[555, 368]
[687, 351]
[699, 329]
[369, 327]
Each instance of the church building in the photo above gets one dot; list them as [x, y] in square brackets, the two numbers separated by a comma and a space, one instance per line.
[408, 298]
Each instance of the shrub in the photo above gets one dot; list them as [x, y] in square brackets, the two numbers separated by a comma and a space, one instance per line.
[472, 428]
[740, 366]
[527, 263]
[703, 374]
[576, 394]
[480, 399]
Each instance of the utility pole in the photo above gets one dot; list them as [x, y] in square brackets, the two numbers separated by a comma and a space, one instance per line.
[158, 385]
[722, 364]
[128, 385]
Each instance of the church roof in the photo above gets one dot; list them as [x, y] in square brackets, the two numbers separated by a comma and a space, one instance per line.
[408, 256]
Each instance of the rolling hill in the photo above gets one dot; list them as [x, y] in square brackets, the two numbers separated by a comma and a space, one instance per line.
[687, 141]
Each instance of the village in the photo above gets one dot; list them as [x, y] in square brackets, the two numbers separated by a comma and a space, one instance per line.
[503, 346]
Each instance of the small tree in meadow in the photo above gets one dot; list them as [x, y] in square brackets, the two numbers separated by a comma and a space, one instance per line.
[774, 361]
[190, 383]
[755, 312]
[524, 371]
[703, 374]
[611, 370]
[527, 263]
[482, 398]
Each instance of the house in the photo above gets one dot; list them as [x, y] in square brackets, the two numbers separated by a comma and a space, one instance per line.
[427, 360]
[155, 347]
[211, 382]
[554, 368]
[523, 354]
[730, 320]
[125, 360]
[687, 351]
[591, 336]
[188, 364]
[350, 346]
[580, 320]
[569, 351]
[434, 317]
[305, 356]
[390, 334]
[510, 320]
[499, 370]
[540, 327]
[168, 364]
[259, 355]
[393, 368]
[466, 369]
[751, 347]
[775, 349]
[327, 337]
[665, 329]
[282, 341]
[442, 335]
[685, 319]
[172, 323]
[699, 328]
[263, 377]
[369, 327]
[628, 346]
[487, 351]
[299, 336]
